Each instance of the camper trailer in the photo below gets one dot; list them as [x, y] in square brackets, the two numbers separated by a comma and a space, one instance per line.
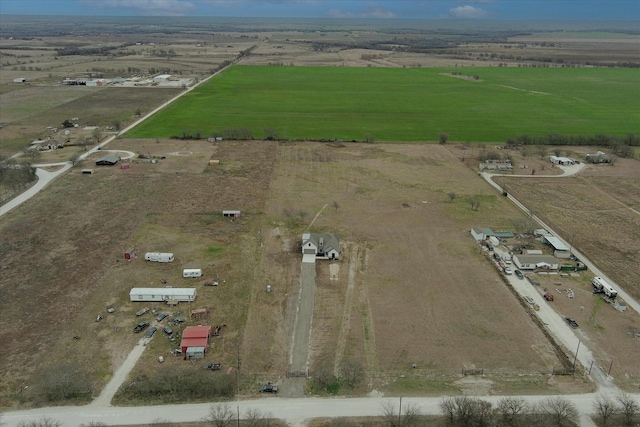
[191, 272]
[159, 256]
[601, 286]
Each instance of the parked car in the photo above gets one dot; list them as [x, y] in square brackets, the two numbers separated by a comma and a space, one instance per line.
[212, 366]
[507, 271]
[211, 283]
[140, 327]
[496, 256]
[151, 331]
[519, 274]
[571, 322]
[167, 330]
[161, 317]
[269, 388]
[179, 319]
[548, 296]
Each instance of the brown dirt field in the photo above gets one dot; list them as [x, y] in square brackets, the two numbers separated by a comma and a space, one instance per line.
[402, 310]
[76, 231]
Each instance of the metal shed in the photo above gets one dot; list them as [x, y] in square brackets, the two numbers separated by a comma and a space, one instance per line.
[194, 353]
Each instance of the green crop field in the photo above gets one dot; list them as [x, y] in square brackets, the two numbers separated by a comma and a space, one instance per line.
[414, 104]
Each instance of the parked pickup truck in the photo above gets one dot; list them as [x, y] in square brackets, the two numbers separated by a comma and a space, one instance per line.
[269, 388]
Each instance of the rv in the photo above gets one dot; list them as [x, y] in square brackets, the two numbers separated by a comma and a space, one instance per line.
[158, 257]
[601, 286]
[191, 272]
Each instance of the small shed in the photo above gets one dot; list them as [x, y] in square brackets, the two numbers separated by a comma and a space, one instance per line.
[231, 214]
[87, 171]
[214, 162]
[130, 254]
[199, 313]
[125, 166]
[194, 353]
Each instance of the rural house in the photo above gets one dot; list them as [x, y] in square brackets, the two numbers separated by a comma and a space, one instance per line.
[322, 245]
[564, 161]
[598, 157]
[535, 262]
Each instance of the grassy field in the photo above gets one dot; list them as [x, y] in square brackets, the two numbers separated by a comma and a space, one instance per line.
[407, 104]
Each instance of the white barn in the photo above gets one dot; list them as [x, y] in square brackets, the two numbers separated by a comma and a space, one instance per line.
[162, 294]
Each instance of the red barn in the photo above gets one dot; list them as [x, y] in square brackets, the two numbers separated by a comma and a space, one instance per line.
[195, 336]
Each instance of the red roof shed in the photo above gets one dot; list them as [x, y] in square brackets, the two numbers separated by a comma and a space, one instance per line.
[195, 336]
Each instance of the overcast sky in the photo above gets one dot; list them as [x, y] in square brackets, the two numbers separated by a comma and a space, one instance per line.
[384, 9]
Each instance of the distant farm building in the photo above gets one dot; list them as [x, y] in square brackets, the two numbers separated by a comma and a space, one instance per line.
[107, 161]
[322, 245]
[481, 234]
[563, 161]
[231, 214]
[162, 78]
[162, 294]
[560, 250]
[129, 254]
[598, 157]
[498, 165]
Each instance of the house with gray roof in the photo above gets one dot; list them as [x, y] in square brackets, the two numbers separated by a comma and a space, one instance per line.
[322, 245]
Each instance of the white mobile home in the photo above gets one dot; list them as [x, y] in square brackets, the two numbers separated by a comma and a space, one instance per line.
[191, 272]
[536, 262]
[159, 256]
[162, 294]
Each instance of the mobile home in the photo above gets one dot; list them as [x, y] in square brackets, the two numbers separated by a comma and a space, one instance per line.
[162, 294]
[159, 256]
[191, 272]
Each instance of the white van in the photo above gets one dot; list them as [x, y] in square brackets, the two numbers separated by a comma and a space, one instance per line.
[191, 272]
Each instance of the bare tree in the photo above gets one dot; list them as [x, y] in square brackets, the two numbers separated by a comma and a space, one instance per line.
[74, 160]
[542, 151]
[117, 124]
[32, 153]
[96, 135]
[94, 424]
[448, 408]
[411, 415]
[443, 138]
[369, 138]
[84, 143]
[303, 215]
[335, 205]
[604, 408]
[255, 418]
[351, 372]
[42, 422]
[220, 415]
[560, 411]
[511, 409]
[451, 195]
[475, 204]
[628, 406]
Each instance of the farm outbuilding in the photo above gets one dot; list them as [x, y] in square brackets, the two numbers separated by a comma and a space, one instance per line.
[130, 254]
[560, 250]
[162, 294]
[231, 214]
[107, 161]
[20, 80]
[162, 78]
[195, 336]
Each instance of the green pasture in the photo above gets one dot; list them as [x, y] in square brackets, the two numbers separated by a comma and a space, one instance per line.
[412, 104]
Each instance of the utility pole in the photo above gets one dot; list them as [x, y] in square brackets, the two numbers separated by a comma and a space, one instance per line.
[576, 357]
[400, 411]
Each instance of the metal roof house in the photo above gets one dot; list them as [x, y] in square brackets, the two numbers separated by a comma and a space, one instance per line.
[483, 233]
[107, 161]
[322, 245]
[534, 262]
[162, 294]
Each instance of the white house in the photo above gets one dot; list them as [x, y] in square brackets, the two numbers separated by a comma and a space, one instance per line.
[561, 160]
[162, 294]
[322, 245]
[535, 262]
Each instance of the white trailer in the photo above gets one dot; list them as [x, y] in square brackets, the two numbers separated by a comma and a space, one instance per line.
[162, 294]
[191, 272]
[601, 286]
[506, 257]
[159, 256]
